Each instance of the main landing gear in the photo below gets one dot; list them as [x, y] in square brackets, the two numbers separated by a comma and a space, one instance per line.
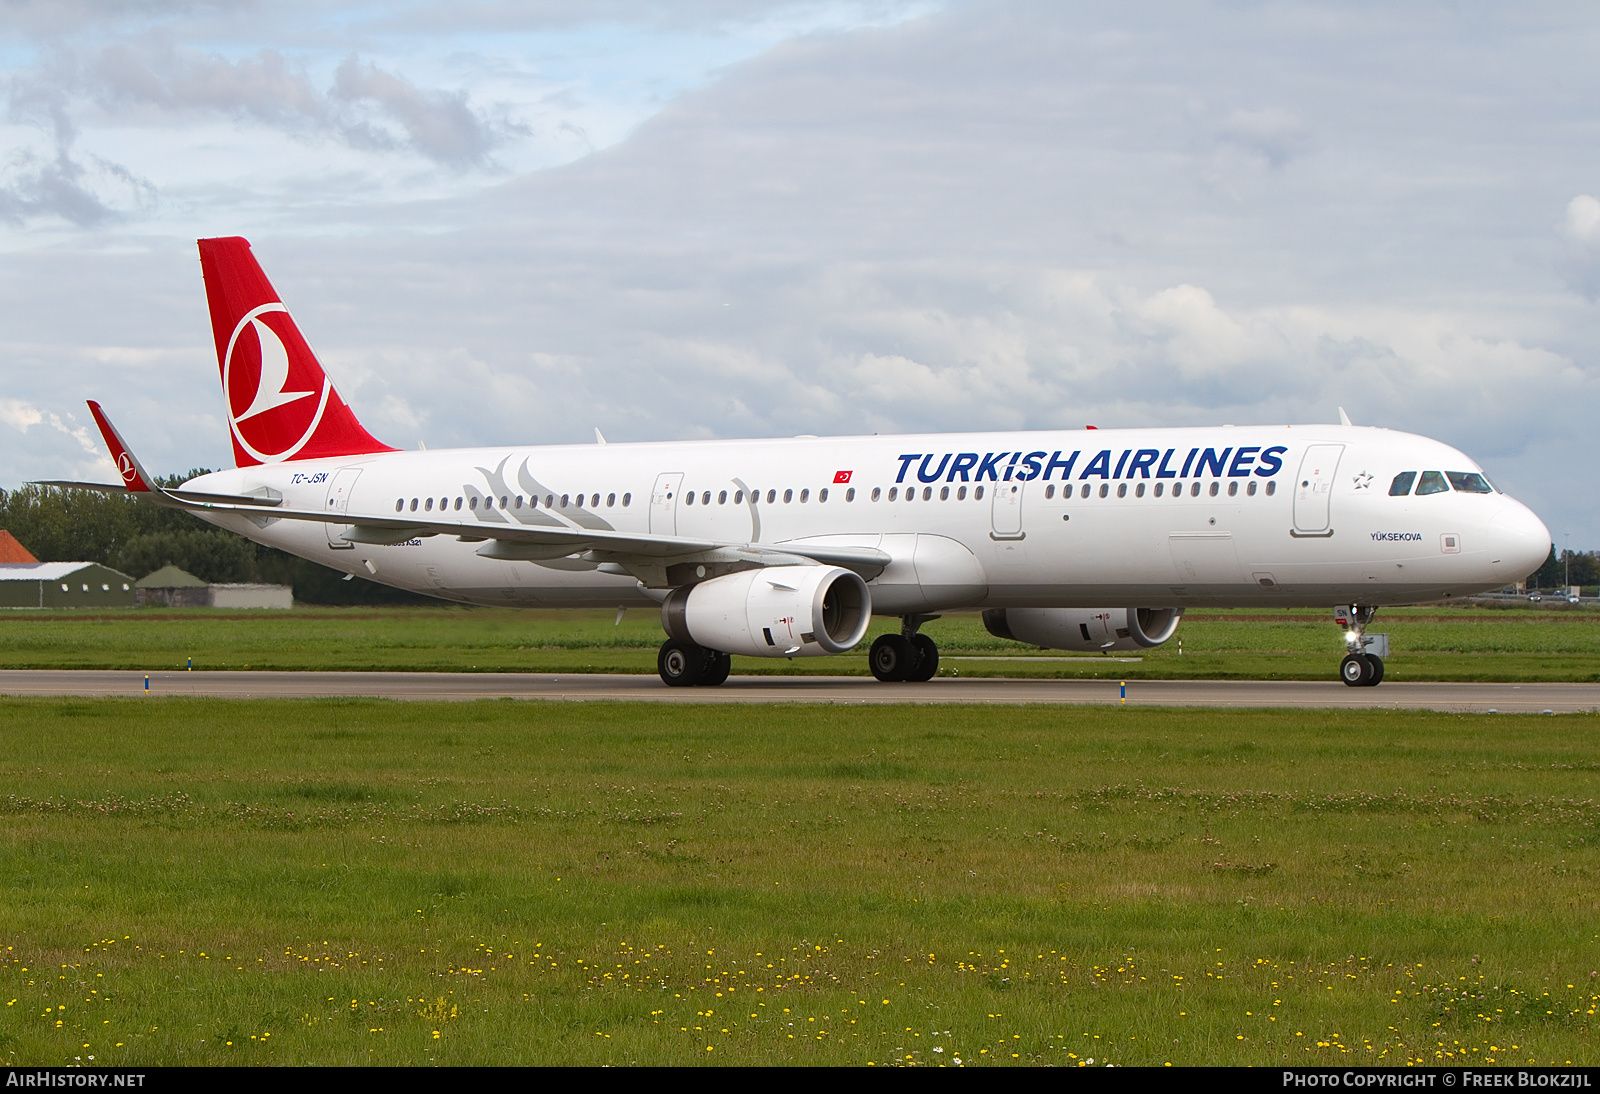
[907, 656]
[686, 665]
[1359, 669]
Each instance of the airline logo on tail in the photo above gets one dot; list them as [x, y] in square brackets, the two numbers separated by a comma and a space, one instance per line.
[281, 404]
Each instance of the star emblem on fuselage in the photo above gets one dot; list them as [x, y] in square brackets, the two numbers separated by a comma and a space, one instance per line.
[1362, 480]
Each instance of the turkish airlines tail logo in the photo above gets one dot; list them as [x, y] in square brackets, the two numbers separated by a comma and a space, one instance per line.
[281, 404]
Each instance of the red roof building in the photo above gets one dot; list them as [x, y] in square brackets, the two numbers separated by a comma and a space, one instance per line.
[11, 551]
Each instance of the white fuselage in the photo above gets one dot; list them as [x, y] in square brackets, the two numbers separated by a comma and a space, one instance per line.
[1231, 516]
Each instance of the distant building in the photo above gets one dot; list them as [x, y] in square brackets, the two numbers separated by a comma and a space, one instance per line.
[63, 585]
[11, 551]
[171, 587]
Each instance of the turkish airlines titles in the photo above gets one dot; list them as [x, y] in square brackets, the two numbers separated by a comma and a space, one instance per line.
[1132, 463]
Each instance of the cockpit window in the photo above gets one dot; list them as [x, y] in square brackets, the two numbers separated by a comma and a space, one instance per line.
[1401, 486]
[1469, 482]
[1432, 483]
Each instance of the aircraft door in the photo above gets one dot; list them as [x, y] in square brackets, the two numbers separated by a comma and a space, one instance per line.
[1006, 514]
[339, 502]
[1313, 488]
[664, 503]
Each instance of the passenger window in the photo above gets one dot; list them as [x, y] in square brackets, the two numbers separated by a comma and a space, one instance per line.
[611, 499]
[722, 497]
[705, 498]
[626, 498]
[428, 506]
[1272, 488]
[944, 493]
[894, 493]
[549, 501]
[1104, 490]
[1194, 490]
[503, 500]
[1138, 491]
[1432, 483]
[413, 505]
[1469, 482]
[1159, 487]
[1213, 490]
[564, 499]
[473, 506]
[927, 493]
[519, 501]
[772, 496]
[977, 493]
[1122, 489]
[822, 495]
[788, 496]
[1233, 489]
[399, 505]
[1251, 489]
[1050, 491]
[805, 495]
[1085, 492]
[875, 492]
[738, 497]
[688, 499]
[850, 494]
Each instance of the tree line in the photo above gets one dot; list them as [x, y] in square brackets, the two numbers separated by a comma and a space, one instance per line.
[139, 538]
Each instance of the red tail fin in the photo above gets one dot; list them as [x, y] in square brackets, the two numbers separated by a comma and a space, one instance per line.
[281, 405]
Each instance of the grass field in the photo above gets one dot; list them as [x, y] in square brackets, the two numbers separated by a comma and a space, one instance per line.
[345, 882]
[1428, 644]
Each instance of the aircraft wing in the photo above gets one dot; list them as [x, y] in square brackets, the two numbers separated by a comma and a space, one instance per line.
[193, 496]
[520, 542]
[657, 560]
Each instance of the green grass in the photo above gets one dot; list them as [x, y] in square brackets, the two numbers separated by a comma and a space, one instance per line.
[1428, 644]
[342, 882]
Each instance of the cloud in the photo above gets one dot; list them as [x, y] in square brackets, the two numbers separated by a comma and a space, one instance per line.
[19, 415]
[1275, 135]
[441, 125]
[1579, 262]
[1583, 219]
[24, 416]
[366, 107]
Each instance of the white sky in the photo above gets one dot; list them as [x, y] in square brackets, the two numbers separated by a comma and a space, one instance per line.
[512, 222]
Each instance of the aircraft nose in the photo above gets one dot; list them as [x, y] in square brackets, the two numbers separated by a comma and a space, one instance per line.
[1522, 542]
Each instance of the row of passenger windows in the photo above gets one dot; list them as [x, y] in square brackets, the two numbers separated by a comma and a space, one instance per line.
[1084, 491]
[510, 501]
[1435, 482]
[563, 501]
[1212, 490]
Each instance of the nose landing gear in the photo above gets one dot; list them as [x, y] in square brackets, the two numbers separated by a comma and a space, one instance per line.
[1362, 666]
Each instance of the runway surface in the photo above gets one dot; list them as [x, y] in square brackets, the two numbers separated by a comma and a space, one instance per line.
[1481, 698]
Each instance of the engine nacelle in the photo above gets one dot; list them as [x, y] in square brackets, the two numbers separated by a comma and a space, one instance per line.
[1084, 628]
[776, 611]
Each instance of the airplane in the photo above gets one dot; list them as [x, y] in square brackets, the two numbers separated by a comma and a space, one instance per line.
[1079, 540]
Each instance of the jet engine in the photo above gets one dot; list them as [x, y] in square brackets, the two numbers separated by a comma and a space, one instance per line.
[1084, 628]
[775, 611]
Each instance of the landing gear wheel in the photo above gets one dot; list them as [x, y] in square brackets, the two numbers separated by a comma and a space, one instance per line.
[892, 658]
[681, 664]
[1377, 671]
[1356, 670]
[927, 659]
[716, 670]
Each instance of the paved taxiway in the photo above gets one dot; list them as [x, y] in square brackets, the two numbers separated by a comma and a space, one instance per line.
[1505, 698]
